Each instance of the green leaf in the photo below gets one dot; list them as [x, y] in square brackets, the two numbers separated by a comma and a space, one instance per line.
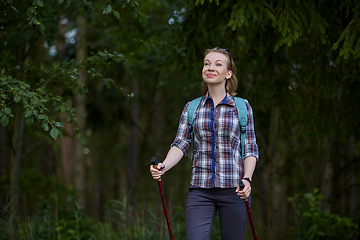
[277, 46]
[143, 17]
[56, 65]
[199, 2]
[323, 39]
[116, 14]
[58, 124]
[54, 133]
[40, 3]
[41, 116]
[4, 121]
[45, 126]
[107, 9]
[296, 34]
[31, 9]
[30, 94]
[272, 17]
[29, 120]
[36, 100]
[42, 28]
[28, 113]
[83, 141]
[17, 98]
[7, 111]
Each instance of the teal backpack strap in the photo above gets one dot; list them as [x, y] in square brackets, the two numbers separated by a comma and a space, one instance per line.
[242, 112]
[191, 114]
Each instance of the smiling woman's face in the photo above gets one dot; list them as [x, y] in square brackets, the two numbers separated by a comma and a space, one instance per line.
[215, 69]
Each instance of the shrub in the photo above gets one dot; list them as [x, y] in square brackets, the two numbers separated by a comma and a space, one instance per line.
[311, 223]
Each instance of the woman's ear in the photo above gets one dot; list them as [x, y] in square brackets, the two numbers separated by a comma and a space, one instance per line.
[229, 74]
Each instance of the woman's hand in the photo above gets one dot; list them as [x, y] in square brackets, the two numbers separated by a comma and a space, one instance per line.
[245, 192]
[158, 171]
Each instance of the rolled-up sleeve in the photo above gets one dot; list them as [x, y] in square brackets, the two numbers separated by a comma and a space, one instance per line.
[183, 137]
[251, 148]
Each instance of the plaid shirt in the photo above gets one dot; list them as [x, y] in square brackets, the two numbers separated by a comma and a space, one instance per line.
[217, 151]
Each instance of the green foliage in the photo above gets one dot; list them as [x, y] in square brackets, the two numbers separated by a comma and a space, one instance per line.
[294, 18]
[41, 101]
[203, 1]
[351, 34]
[290, 18]
[31, 86]
[310, 222]
[69, 224]
[64, 219]
[38, 13]
[35, 101]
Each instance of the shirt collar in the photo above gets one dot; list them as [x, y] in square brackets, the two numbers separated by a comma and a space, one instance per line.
[228, 99]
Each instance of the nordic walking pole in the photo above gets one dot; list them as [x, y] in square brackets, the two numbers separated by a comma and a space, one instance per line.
[155, 163]
[241, 184]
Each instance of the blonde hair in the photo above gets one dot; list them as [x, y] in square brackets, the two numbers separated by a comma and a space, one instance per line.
[231, 83]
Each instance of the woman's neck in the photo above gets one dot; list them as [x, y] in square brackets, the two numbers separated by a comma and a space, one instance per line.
[217, 94]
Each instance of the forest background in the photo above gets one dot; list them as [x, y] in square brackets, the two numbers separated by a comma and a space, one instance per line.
[92, 90]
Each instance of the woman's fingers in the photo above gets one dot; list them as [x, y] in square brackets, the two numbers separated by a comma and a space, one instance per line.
[245, 192]
[156, 173]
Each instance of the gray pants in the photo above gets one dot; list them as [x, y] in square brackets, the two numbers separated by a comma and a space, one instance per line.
[201, 209]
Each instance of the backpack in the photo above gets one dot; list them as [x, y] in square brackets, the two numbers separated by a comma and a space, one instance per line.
[242, 112]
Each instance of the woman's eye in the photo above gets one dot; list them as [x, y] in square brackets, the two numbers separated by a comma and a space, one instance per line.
[219, 64]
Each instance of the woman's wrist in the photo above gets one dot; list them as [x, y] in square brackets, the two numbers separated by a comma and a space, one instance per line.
[162, 166]
[247, 179]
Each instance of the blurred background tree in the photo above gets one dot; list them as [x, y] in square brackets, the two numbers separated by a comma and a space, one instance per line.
[90, 91]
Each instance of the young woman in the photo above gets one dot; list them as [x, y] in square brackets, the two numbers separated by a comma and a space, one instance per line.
[217, 164]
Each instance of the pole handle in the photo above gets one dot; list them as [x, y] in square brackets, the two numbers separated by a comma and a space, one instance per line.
[242, 185]
[154, 162]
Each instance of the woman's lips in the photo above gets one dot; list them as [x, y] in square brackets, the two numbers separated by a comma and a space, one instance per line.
[210, 75]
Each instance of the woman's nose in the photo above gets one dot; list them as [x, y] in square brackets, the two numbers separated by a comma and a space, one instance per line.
[211, 67]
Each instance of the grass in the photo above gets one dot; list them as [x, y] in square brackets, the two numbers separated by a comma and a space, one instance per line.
[65, 220]
[70, 223]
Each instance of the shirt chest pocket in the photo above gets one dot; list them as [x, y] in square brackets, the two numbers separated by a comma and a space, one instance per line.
[227, 126]
[203, 128]
[224, 126]
[228, 132]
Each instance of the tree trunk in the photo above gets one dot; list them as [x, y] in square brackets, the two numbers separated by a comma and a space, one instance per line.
[262, 179]
[3, 165]
[67, 153]
[326, 170]
[65, 172]
[132, 172]
[121, 167]
[348, 195]
[158, 123]
[15, 165]
[272, 155]
[158, 126]
[81, 53]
